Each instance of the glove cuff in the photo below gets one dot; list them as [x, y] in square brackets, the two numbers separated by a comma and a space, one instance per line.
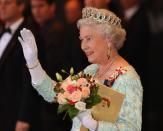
[37, 74]
[33, 66]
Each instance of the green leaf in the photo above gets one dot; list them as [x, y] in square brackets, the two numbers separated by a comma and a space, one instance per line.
[97, 100]
[71, 71]
[62, 108]
[92, 101]
[94, 91]
[59, 77]
[72, 111]
[57, 89]
[89, 103]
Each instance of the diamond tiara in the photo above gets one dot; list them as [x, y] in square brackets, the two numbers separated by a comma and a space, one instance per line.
[101, 16]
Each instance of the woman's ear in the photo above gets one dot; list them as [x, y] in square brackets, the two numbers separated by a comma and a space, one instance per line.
[108, 41]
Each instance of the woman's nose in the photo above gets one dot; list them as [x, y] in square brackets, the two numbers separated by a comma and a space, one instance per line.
[84, 46]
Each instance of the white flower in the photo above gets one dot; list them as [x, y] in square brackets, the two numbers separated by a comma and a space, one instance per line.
[80, 106]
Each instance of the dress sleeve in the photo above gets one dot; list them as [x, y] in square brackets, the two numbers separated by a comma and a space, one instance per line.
[130, 117]
[45, 89]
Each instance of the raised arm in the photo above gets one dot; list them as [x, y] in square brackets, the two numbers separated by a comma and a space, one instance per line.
[40, 80]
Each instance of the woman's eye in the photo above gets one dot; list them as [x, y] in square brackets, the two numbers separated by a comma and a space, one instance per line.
[88, 39]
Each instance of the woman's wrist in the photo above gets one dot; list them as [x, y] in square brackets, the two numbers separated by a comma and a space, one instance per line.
[37, 74]
[97, 126]
[32, 66]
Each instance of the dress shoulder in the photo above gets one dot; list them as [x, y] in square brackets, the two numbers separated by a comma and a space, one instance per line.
[129, 81]
[91, 69]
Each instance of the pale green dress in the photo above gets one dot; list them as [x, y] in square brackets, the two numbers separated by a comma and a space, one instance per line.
[130, 117]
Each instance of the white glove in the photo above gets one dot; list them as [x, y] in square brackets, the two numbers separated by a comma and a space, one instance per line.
[76, 124]
[86, 119]
[28, 43]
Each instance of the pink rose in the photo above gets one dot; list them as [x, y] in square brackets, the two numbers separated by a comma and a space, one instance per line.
[71, 88]
[85, 92]
[64, 86]
[76, 96]
[65, 83]
[67, 95]
[71, 102]
[61, 99]
[81, 81]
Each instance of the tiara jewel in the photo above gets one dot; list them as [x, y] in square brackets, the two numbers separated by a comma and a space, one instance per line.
[101, 16]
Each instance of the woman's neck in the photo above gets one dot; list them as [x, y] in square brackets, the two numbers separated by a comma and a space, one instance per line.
[107, 61]
[108, 68]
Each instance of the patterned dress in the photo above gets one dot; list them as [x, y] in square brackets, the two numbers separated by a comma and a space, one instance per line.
[126, 81]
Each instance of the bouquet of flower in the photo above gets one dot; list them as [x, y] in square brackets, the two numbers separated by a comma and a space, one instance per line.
[76, 93]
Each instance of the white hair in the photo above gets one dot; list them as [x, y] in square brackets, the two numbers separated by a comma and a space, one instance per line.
[116, 34]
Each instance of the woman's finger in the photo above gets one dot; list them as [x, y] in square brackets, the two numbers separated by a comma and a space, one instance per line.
[21, 41]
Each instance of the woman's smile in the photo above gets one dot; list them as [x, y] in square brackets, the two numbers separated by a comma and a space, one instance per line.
[89, 53]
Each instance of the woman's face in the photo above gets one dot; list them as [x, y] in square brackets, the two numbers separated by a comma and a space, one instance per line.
[93, 44]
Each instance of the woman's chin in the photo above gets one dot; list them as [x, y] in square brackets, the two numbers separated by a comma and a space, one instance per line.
[91, 60]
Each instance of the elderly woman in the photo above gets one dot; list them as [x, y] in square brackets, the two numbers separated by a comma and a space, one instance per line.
[101, 37]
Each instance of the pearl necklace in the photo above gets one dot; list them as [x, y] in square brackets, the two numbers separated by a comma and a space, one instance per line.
[99, 75]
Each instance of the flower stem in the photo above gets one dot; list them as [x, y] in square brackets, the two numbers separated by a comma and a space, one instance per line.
[64, 116]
